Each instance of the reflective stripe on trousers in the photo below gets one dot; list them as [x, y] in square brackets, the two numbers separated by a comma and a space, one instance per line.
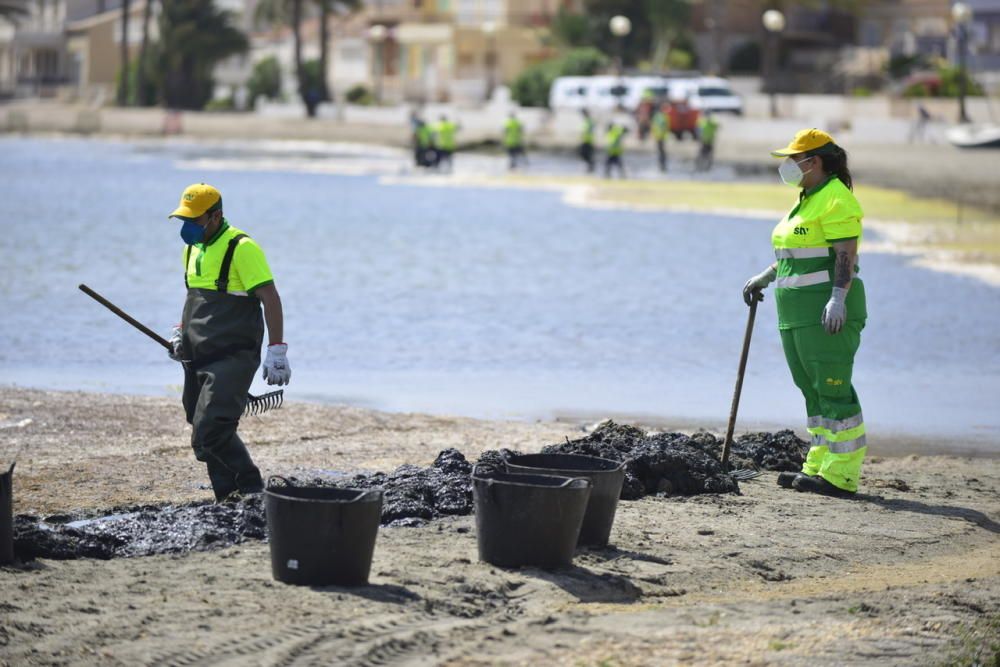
[806, 279]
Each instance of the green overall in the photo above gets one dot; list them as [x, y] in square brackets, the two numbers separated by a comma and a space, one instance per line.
[821, 364]
[222, 332]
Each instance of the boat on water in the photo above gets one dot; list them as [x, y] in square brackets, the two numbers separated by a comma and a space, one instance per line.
[970, 135]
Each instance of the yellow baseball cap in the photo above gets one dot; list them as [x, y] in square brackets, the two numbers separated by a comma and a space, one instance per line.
[804, 142]
[196, 200]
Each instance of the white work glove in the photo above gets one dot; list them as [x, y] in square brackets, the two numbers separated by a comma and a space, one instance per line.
[276, 368]
[758, 283]
[176, 351]
[835, 312]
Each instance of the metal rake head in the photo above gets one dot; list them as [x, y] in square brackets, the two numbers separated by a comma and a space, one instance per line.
[257, 405]
[744, 474]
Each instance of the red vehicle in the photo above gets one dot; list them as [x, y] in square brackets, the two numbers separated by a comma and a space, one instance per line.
[683, 118]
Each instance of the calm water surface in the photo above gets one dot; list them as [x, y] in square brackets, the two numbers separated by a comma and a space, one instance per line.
[486, 302]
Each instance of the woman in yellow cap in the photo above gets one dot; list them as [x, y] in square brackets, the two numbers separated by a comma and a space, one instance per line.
[821, 308]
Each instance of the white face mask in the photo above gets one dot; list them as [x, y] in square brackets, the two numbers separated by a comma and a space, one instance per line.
[791, 173]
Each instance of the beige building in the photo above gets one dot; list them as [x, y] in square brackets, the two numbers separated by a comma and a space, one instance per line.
[454, 50]
[94, 47]
[33, 57]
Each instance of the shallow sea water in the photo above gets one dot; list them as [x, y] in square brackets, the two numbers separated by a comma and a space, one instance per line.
[486, 302]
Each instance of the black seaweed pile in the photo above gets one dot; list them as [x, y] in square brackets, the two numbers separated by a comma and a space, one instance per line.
[412, 495]
[140, 531]
[678, 464]
[661, 463]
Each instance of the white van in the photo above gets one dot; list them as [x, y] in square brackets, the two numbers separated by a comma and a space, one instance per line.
[570, 92]
[611, 92]
[711, 93]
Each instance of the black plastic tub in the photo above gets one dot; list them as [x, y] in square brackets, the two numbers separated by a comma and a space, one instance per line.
[321, 536]
[528, 520]
[605, 475]
[7, 516]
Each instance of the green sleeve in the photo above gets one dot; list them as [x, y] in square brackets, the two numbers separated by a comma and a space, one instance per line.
[251, 265]
[842, 220]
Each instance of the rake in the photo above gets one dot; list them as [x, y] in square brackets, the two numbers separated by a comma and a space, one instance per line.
[255, 405]
[743, 473]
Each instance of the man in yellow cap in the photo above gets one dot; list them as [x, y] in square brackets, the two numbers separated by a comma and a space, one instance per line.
[220, 336]
[821, 308]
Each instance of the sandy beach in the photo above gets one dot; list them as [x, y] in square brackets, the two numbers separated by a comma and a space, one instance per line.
[906, 573]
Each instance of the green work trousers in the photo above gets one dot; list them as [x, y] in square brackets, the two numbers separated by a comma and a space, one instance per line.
[214, 398]
[821, 366]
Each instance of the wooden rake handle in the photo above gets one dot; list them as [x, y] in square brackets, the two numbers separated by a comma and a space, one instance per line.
[739, 379]
[125, 316]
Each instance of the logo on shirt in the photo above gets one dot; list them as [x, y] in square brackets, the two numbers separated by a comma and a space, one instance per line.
[834, 382]
[800, 231]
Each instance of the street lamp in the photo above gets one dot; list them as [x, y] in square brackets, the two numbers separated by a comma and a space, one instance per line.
[489, 29]
[774, 23]
[620, 27]
[961, 13]
[378, 34]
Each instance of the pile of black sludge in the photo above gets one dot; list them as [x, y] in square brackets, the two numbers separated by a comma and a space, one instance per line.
[141, 531]
[657, 463]
[679, 464]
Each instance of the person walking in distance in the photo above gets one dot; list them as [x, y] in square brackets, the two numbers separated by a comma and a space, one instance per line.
[660, 129]
[614, 138]
[513, 141]
[821, 308]
[444, 133]
[220, 336]
[707, 129]
[587, 141]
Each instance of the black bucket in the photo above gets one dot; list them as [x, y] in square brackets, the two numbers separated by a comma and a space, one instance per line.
[321, 536]
[7, 516]
[528, 519]
[605, 475]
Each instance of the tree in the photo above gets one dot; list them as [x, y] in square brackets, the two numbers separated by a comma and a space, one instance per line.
[670, 22]
[123, 80]
[312, 84]
[140, 75]
[194, 37]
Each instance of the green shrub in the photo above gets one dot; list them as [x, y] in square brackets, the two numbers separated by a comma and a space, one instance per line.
[861, 91]
[531, 87]
[359, 94]
[221, 104]
[265, 80]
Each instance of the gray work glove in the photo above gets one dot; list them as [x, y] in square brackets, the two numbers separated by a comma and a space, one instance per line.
[758, 283]
[175, 352]
[276, 368]
[835, 312]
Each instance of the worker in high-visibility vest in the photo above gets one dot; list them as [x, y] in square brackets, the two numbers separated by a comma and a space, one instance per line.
[660, 129]
[444, 140]
[219, 337]
[614, 140]
[513, 141]
[821, 308]
[707, 129]
[424, 154]
[587, 140]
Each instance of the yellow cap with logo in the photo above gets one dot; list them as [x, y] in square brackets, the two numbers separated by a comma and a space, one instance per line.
[804, 142]
[196, 200]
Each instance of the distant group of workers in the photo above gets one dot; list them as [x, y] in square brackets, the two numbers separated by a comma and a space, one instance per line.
[434, 144]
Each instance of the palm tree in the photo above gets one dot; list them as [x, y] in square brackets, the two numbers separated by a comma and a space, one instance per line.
[194, 36]
[140, 77]
[123, 82]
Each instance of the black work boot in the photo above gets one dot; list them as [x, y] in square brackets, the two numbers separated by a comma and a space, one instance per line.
[819, 485]
[785, 479]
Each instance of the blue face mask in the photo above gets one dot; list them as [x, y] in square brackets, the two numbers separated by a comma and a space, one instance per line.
[192, 233]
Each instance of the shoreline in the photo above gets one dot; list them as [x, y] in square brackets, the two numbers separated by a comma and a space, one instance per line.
[886, 443]
[891, 577]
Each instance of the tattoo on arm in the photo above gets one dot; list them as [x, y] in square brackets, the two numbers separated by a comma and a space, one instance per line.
[842, 269]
